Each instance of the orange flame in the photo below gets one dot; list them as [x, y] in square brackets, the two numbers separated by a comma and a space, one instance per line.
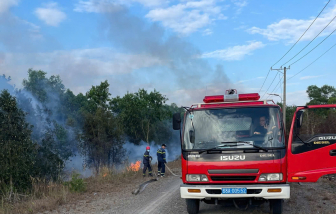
[135, 166]
[104, 175]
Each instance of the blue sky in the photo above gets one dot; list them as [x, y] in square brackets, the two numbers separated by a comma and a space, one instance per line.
[184, 49]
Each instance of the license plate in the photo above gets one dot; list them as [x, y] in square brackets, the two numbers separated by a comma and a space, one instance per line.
[234, 190]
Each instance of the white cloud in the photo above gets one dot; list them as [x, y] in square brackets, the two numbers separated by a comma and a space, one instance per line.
[298, 98]
[310, 77]
[188, 17]
[95, 6]
[185, 17]
[292, 29]
[240, 4]
[6, 4]
[207, 32]
[110, 6]
[234, 53]
[50, 14]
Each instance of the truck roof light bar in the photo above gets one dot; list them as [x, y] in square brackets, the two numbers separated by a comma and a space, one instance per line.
[198, 105]
[231, 98]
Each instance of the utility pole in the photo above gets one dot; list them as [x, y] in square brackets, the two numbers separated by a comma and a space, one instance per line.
[284, 99]
[284, 93]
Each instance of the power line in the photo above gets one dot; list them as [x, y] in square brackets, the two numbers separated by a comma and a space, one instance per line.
[292, 47]
[276, 86]
[302, 34]
[280, 86]
[310, 41]
[265, 80]
[269, 85]
[313, 61]
[313, 47]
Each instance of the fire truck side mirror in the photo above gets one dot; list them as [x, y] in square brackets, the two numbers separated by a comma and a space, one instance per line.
[299, 119]
[192, 136]
[177, 121]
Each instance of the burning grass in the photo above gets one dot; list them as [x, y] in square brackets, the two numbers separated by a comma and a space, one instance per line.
[46, 196]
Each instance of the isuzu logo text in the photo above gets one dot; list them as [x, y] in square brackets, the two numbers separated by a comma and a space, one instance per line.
[328, 138]
[232, 157]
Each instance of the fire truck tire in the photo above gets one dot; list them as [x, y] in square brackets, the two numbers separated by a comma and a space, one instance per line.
[193, 206]
[276, 206]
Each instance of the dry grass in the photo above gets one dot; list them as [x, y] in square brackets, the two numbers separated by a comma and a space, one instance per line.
[43, 196]
[48, 196]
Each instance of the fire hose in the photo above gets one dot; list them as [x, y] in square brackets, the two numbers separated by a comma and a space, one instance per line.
[144, 185]
[172, 172]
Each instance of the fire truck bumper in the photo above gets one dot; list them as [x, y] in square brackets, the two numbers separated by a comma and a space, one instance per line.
[266, 191]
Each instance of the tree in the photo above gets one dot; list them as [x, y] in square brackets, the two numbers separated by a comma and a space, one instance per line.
[324, 95]
[101, 140]
[139, 113]
[17, 151]
[57, 118]
[99, 95]
[41, 87]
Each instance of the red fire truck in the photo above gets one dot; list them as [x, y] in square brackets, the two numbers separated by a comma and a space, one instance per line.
[234, 150]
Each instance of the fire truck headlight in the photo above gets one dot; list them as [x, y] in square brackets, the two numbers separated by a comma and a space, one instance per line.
[271, 177]
[197, 178]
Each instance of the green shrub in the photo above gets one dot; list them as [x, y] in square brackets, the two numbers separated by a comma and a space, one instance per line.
[76, 184]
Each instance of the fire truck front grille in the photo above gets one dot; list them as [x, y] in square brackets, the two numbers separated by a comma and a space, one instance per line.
[233, 178]
[214, 191]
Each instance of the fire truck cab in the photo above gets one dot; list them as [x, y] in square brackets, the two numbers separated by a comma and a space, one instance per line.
[234, 150]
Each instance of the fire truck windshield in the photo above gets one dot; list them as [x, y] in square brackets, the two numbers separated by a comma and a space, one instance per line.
[228, 128]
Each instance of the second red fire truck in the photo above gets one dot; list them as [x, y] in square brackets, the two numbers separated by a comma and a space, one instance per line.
[234, 150]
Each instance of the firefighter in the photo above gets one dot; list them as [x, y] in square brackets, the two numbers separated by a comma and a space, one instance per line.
[161, 156]
[263, 127]
[146, 161]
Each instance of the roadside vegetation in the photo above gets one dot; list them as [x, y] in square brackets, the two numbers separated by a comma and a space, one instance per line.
[43, 125]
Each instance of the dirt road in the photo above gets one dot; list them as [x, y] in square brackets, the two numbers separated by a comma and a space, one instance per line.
[163, 197]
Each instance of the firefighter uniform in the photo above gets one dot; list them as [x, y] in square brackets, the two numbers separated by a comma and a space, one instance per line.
[146, 161]
[161, 155]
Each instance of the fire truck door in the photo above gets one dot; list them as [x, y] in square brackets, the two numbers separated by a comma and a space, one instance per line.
[311, 151]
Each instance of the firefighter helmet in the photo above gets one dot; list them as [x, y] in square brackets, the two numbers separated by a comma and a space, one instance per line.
[147, 148]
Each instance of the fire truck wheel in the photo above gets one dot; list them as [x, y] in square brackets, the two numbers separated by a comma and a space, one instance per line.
[276, 206]
[193, 206]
